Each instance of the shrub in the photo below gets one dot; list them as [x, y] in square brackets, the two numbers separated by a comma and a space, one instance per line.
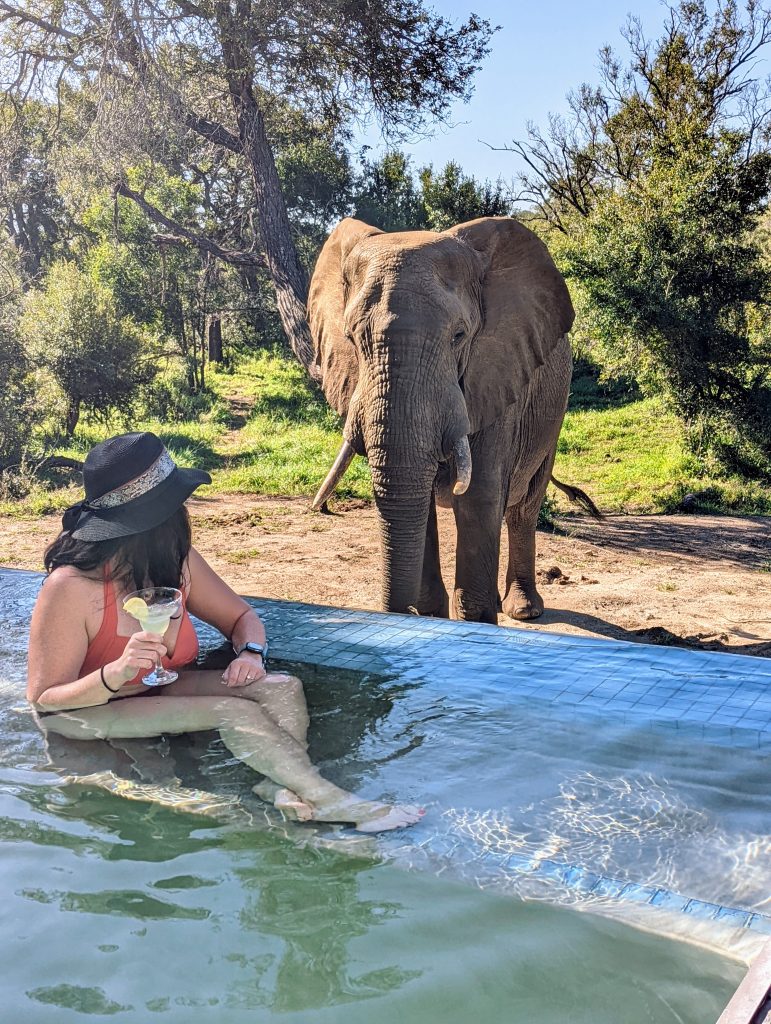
[73, 333]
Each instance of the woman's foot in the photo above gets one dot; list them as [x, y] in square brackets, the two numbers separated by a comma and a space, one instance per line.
[284, 800]
[369, 817]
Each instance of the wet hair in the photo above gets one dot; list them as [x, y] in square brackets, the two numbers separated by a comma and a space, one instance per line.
[154, 558]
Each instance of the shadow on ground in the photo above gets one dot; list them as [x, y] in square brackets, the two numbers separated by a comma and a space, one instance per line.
[658, 635]
[742, 542]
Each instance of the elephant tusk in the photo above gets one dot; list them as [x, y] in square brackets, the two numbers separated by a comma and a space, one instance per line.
[462, 453]
[339, 466]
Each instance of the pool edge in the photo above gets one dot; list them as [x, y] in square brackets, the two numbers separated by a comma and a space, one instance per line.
[751, 1002]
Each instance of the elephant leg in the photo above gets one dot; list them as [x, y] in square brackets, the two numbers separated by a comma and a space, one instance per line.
[434, 599]
[522, 600]
[478, 518]
[476, 561]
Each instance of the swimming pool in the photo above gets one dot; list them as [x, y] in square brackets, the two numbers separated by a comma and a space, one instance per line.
[537, 807]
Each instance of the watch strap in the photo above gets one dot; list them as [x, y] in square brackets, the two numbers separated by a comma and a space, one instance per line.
[253, 648]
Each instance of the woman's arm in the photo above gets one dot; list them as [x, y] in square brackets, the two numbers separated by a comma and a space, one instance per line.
[212, 600]
[58, 642]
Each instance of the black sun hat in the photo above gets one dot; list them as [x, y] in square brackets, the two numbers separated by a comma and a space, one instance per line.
[132, 484]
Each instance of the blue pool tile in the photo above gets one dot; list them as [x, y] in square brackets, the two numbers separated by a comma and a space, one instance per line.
[638, 893]
[732, 917]
[760, 923]
[700, 908]
[669, 900]
[609, 887]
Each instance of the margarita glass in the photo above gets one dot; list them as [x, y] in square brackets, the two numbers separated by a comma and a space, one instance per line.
[154, 608]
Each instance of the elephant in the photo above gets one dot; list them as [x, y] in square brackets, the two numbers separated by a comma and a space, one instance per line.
[447, 355]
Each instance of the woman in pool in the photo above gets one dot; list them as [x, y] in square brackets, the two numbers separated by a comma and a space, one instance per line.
[86, 659]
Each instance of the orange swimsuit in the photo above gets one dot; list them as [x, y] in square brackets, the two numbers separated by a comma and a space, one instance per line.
[107, 646]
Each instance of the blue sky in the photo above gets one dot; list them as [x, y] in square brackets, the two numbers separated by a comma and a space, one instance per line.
[544, 49]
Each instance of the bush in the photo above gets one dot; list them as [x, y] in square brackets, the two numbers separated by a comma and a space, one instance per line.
[18, 408]
[73, 333]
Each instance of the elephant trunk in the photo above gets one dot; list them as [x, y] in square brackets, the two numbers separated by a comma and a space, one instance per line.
[403, 500]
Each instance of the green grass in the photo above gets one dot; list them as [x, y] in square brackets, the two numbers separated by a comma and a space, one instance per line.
[265, 429]
[286, 445]
[633, 459]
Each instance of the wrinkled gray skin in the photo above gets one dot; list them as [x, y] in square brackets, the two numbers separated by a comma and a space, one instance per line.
[423, 338]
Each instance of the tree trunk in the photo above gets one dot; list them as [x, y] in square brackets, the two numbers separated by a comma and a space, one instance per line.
[287, 272]
[215, 340]
[72, 416]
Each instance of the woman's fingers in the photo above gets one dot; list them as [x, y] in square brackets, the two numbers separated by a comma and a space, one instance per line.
[154, 646]
[138, 663]
[241, 673]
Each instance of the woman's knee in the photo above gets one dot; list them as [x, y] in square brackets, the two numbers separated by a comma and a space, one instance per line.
[290, 685]
[272, 684]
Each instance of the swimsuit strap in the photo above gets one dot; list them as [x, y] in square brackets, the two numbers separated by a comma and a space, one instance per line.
[110, 614]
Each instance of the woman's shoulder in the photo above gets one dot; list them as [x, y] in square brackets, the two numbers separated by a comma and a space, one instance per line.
[68, 583]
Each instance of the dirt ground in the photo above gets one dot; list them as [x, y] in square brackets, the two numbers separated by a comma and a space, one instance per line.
[702, 581]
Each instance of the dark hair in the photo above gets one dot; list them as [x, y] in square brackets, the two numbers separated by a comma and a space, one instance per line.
[154, 558]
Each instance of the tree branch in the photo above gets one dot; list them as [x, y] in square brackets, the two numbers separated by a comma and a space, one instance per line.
[181, 235]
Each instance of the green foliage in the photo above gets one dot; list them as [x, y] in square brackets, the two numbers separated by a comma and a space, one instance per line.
[634, 458]
[387, 196]
[73, 334]
[18, 409]
[451, 197]
[316, 177]
[662, 180]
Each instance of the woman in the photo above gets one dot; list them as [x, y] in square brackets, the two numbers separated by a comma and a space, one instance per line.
[86, 660]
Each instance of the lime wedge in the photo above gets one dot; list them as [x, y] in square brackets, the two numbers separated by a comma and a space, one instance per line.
[137, 607]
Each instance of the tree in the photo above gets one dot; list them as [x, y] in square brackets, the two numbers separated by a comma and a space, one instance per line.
[388, 197]
[656, 184]
[451, 197]
[386, 194]
[205, 66]
[32, 210]
[73, 332]
[18, 408]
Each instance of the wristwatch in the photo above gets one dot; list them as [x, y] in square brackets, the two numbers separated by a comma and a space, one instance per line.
[252, 648]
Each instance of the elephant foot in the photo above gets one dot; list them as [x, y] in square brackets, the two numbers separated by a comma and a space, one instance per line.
[472, 609]
[521, 603]
[437, 608]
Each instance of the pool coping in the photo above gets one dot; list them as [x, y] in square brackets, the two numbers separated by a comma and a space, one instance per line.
[751, 1002]
[713, 695]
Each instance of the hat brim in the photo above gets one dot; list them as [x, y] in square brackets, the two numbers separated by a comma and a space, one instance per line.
[143, 513]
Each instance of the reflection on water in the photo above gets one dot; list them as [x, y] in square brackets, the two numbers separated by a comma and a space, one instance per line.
[65, 849]
[115, 907]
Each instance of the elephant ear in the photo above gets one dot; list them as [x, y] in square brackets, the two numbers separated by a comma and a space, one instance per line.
[526, 310]
[335, 353]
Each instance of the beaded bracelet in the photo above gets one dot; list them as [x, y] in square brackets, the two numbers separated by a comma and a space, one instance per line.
[104, 681]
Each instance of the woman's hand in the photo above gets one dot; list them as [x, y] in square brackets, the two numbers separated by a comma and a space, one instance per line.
[143, 651]
[246, 668]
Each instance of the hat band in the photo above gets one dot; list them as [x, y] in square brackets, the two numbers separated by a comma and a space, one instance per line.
[162, 468]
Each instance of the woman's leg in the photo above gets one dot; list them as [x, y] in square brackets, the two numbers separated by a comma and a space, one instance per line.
[282, 698]
[249, 733]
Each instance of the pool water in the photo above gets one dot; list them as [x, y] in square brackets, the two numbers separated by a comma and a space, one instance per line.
[114, 907]
[118, 906]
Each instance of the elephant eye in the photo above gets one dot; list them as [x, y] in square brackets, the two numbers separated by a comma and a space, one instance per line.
[458, 336]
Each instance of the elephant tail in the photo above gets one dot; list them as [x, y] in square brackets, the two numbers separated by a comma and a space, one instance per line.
[579, 497]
